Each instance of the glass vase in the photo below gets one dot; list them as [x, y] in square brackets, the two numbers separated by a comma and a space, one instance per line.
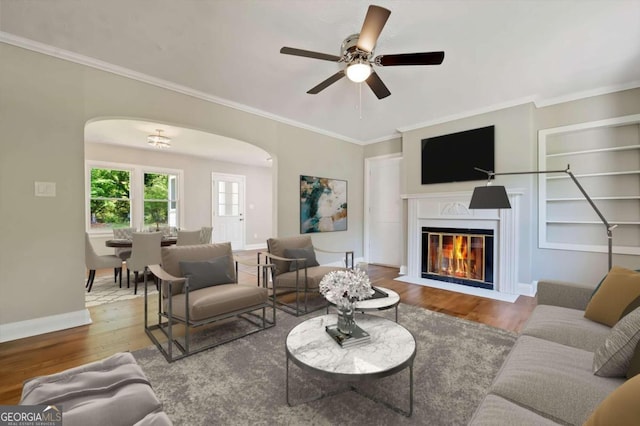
[346, 317]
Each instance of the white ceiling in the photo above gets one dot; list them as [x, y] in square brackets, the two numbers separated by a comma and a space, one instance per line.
[497, 53]
[133, 133]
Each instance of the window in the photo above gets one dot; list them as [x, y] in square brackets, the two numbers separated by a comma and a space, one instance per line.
[110, 203]
[160, 199]
[125, 195]
[228, 198]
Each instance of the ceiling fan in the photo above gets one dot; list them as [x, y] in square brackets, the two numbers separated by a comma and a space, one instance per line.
[357, 52]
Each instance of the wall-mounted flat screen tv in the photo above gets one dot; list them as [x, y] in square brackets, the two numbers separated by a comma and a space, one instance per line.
[452, 158]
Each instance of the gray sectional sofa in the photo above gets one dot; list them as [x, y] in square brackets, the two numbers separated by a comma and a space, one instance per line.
[548, 379]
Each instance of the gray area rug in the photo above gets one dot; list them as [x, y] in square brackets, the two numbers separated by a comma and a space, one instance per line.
[243, 382]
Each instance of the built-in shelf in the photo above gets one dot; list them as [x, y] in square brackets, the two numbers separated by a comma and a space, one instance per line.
[590, 222]
[593, 151]
[583, 175]
[622, 197]
[613, 147]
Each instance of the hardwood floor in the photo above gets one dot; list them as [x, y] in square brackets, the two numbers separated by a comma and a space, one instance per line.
[119, 327]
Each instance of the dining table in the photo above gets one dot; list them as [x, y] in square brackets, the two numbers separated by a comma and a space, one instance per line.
[126, 243]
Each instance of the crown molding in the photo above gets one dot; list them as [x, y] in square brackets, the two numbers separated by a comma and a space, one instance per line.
[467, 114]
[145, 78]
[588, 94]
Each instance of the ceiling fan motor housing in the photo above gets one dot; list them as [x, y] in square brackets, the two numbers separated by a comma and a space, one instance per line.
[350, 52]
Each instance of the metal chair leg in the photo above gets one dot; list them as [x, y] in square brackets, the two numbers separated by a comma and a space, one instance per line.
[92, 276]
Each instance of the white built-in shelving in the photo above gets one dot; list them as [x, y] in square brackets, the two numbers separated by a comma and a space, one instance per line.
[604, 156]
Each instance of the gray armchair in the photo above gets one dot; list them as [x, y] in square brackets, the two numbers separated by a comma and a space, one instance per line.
[200, 287]
[297, 272]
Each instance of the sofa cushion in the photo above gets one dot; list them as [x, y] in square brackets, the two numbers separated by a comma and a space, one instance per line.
[620, 408]
[173, 255]
[554, 379]
[206, 273]
[613, 357]
[631, 307]
[619, 289]
[566, 326]
[634, 364]
[314, 276]
[495, 410]
[218, 300]
[301, 253]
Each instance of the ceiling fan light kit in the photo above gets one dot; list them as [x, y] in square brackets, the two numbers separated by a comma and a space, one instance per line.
[359, 71]
[159, 141]
[357, 53]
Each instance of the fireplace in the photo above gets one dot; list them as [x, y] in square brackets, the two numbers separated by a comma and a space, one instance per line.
[450, 210]
[458, 255]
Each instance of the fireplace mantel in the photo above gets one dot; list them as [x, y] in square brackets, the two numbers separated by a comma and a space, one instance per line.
[450, 209]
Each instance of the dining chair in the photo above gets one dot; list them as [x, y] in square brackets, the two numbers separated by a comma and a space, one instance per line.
[145, 251]
[123, 253]
[205, 234]
[188, 238]
[94, 261]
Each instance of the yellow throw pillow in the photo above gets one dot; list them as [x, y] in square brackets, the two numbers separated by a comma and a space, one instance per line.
[620, 288]
[620, 408]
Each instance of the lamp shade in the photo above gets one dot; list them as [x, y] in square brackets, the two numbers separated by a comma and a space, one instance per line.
[490, 197]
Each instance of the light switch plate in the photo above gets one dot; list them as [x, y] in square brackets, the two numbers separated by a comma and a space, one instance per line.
[45, 189]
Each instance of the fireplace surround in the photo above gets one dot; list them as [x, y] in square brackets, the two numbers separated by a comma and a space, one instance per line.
[450, 210]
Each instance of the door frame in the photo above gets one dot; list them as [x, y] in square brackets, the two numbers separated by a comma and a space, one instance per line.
[367, 206]
[215, 176]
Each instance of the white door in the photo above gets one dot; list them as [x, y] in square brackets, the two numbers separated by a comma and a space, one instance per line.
[384, 212]
[227, 209]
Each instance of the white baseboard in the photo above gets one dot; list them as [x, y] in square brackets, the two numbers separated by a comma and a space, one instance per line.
[403, 269]
[528, 289]
[36, 326]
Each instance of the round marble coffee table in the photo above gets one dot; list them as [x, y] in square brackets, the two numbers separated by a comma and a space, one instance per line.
[392, 348]
[378, 304]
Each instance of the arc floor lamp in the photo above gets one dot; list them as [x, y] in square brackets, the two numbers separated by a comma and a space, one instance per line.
[495, 197]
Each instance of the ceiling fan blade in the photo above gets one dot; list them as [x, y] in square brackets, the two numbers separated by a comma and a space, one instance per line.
[424, 58]
[372, 27]
[377, 86]
[328, 82]
[309, 54]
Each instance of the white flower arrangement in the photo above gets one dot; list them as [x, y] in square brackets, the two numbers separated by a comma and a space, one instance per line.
[346, 285]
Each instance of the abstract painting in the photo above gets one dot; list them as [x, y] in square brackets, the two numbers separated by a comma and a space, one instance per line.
[323, 204]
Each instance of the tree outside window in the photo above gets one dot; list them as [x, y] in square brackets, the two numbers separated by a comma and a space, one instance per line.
[159, 199]
[110, 199]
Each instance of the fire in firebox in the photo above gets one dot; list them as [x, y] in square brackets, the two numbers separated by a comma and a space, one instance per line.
[462, 256]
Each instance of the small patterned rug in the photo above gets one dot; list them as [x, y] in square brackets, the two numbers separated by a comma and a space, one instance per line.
[104, 290]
